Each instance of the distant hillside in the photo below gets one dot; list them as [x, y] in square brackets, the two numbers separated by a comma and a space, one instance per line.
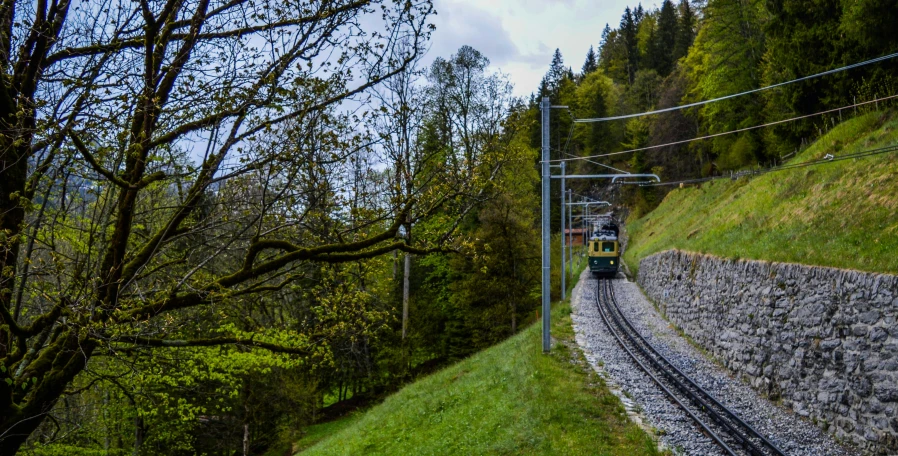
[841, 214]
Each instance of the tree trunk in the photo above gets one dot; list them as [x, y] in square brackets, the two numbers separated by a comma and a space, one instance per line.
[62, 361]
[139, 434]
[514, 301]
[514, 318]
[395, 264]
[245, 439]
[14, 164]
[406, 271]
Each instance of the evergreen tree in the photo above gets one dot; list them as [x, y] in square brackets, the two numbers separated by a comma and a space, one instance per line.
[606, 32]
[628, 35]
[599, 138]
[685, 30]
[665, 38]
[647, 44]
[804, 38]
[591, 63]
[638, 14]
[543, 89]
[556, 72]
[613, 56]
[869, 30]
[604, 46]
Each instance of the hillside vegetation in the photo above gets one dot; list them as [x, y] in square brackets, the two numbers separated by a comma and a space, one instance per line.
[841, 214]
[508, 399]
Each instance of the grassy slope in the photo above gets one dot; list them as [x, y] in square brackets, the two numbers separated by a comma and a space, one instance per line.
[508, 399]
[843, 214]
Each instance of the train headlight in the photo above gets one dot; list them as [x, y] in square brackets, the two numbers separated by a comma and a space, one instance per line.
[612, 261]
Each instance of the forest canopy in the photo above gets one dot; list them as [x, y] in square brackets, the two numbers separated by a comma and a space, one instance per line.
[690, 51]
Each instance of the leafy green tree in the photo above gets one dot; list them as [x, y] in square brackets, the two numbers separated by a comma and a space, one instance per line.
[613, 59]
[726, 59]
[592, 100]
[807, 37]
[793, 53]
[117, 227]
[680, 161]
[647, 44]
[642, 95]
[467, 111]
[868, 27]
[501, 270]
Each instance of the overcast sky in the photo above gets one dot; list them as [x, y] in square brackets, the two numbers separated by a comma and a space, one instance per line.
[519, 36]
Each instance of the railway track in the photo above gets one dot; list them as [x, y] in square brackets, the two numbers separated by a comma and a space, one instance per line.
[731, 433]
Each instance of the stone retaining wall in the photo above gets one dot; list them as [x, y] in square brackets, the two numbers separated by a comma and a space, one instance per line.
[824, 341]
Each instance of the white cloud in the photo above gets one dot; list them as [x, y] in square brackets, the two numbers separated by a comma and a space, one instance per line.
[519, 36]
[460, 24]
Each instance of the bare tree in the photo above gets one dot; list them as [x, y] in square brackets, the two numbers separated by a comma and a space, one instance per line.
[403, 107]
[136, 182]
[445, 137]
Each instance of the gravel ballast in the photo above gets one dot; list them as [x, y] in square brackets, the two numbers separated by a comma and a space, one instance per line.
[648, 404]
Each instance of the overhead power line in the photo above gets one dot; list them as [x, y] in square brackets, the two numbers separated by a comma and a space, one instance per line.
[755, 127]
[747, 92]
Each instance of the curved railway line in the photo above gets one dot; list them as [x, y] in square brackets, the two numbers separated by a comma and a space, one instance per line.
[731, 433]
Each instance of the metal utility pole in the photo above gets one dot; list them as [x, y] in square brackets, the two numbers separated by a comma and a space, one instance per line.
[545, 105]
[563, 283]
[588, 232]
[570, 226]
[583, 224]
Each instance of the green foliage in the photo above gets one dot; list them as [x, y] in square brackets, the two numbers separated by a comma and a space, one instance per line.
[613, 58]
[725, 59]
[629, 28]
[665, 39]
[807, 37]
[70, 450]
[738, 153]
[685, 30]
[198, 399]
[593, 98]
[591, 63]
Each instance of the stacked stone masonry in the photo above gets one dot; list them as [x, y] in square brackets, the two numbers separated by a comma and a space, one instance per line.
[824, 341]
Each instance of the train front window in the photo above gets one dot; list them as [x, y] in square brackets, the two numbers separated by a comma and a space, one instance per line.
[595, 246]
[607, 246]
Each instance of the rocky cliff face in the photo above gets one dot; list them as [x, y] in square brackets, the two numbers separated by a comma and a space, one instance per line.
[824, 341]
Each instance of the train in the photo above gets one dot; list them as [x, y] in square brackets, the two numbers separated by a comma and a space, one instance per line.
[604, 249]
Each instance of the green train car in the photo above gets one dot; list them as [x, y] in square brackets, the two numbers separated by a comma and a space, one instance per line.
[604, 251]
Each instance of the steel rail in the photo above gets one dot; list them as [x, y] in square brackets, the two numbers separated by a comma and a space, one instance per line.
[654, 378]
[710, 398]
[699, 397]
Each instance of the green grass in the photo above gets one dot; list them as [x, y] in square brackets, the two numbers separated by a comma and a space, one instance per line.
[841, 214]
[318, 432]
[508, 399]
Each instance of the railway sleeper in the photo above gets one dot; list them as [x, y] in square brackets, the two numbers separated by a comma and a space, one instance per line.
[725, 419]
